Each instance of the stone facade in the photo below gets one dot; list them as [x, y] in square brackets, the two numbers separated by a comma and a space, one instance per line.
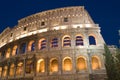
[53, 45]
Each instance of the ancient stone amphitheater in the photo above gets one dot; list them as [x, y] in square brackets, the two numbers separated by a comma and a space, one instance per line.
[58, 44]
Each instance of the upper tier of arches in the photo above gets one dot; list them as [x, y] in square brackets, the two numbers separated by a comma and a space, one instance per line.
[44, 43]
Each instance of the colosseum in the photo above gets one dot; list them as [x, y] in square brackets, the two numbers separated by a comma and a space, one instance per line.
[58, 44]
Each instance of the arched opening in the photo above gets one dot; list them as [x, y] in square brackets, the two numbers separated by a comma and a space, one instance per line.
[19, 69]
[12, 70]
[8, 53]
[67, 64]
[15, 50]
[79, 41]
[3, 54]
[96, 64]
[29, 66]
[42, 43]
[54, 42]
[66, 41]
[23, 48]
[81, 63]
[40, 65]
[5, 71]
[31, 46]
[92, 40]
[54, 65]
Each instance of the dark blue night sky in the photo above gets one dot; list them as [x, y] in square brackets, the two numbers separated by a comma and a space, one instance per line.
[106, 13]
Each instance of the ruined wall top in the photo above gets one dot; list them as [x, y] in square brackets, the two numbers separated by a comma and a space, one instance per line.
[56, 19]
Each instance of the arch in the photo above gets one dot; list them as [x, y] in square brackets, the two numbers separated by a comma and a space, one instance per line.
[8, 53]
[12, 70]
[81, 63]
[15, 50]
[29, 66]
[54, 42]
[53, 65]
[79, 40]
[23, 48]
[66, 41]
[40, 65]
[31, 45]
[3, 54]
[5, 71]
[42, 43]
[67, 64]
[19, 69]
[92, 40]
[96, 63]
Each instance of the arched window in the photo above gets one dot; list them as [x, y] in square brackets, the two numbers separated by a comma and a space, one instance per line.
[8, 53]
[54, 65]
[5, 71]
[15, 50]
[81, 64]
[42, 43]
[67, 64]
[0, 71]
[54, 42]
[19, 69]
[29, 66]
[92, 40]
[40, 65]
[31, 46]
[79, 41]
[3, 54]
[12, 70]
[95, 63]
[66, 41]
[23, 48]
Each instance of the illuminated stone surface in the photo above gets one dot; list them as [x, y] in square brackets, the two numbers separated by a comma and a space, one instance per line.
[58, 44]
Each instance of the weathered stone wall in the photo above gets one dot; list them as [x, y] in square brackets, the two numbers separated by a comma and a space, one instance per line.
[30, 28]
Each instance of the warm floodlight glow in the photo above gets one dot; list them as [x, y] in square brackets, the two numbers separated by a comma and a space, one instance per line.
[40, 65]
[5, 71]
[56, 28]
[0, 71]
[19, 68]
[63, 27]
[67, 64]
[88, 25]
[81, 63]
[14, 51]
[12, 70]
[43, 30]
[10, 40]
[54, 65]
[8, 53]
[95, 63]
[31, 33]
[24, 35]
[77, 26]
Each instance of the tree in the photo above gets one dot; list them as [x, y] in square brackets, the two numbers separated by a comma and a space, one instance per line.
[110, 65]
[117, 59]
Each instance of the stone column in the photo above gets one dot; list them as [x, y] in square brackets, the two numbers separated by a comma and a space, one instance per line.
[89, 64]
[60, 63]
[8, 69]
[47, 65]
[24, 62]
[34, 65]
